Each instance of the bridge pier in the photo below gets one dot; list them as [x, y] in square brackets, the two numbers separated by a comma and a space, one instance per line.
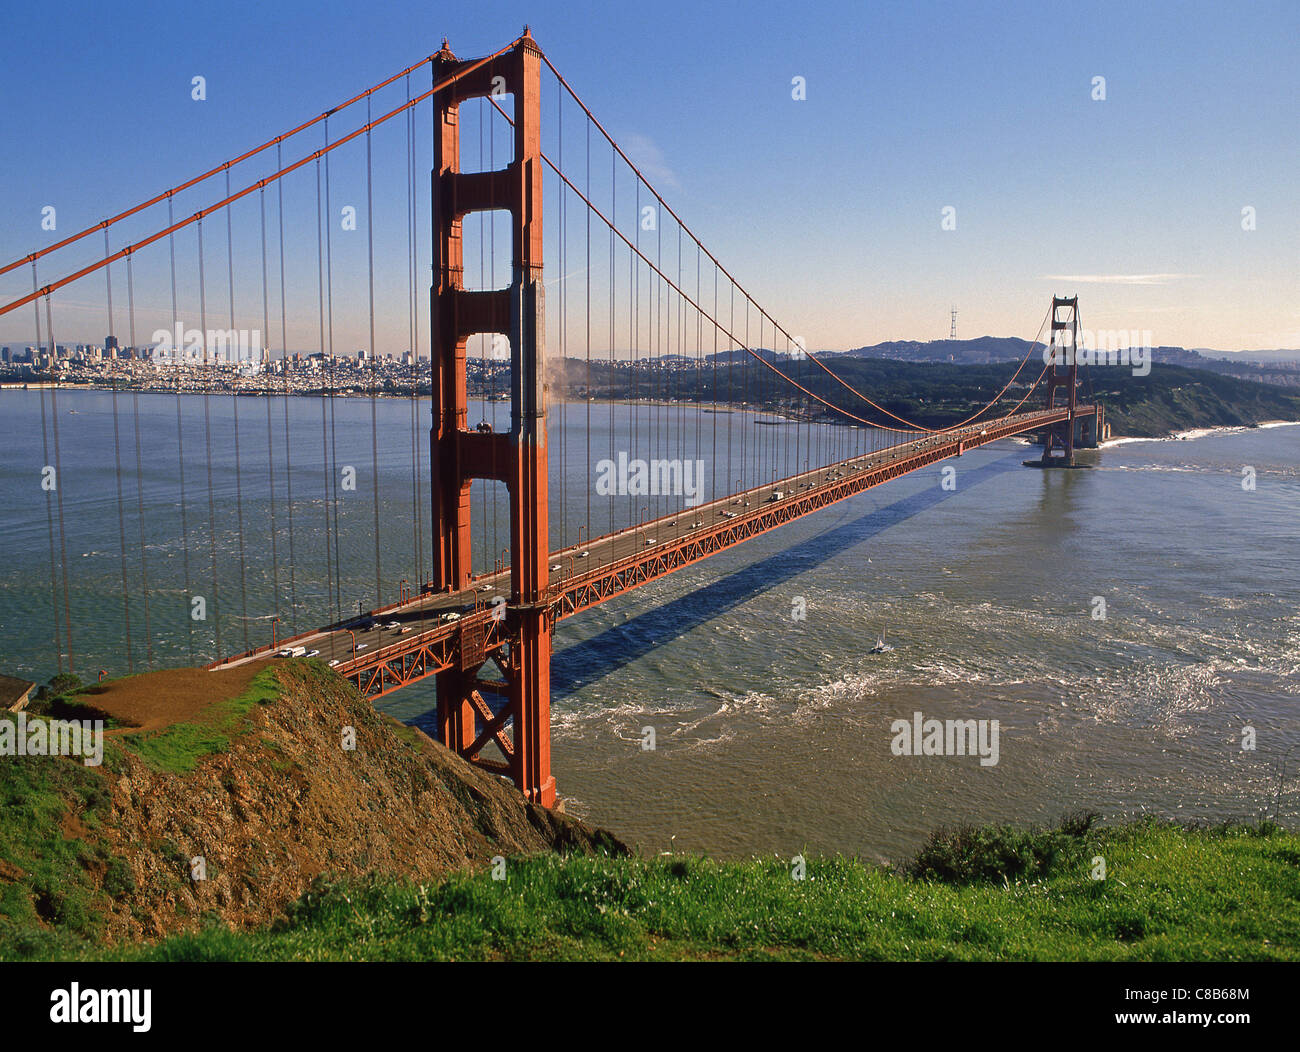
[466, 721]
[1091, 430]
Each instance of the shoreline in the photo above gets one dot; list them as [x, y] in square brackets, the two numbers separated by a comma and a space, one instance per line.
[1199, 432]
[779, 417]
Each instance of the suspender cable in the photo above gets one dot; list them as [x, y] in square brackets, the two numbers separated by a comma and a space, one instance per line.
[276, 142]
[117, 463]
[613, 209]
[234, 405]
[333, 385]
[214, 609]
[270, 431]
[180, 453]
[288, 445]
[588, 301]
[374, 394]
[139, 472]
[417, 514]
[49, 498]
[745, 346]
[324, 412]
[713, 460]
[58, 475]
[564, 333]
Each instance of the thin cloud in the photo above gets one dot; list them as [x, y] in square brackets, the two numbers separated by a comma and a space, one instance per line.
[647, 156]
[1119, 279]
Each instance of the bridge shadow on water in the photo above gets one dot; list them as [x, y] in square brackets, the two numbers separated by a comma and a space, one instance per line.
[581, 664]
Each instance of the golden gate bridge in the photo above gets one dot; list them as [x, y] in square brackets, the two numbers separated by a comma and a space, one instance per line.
[636, 295]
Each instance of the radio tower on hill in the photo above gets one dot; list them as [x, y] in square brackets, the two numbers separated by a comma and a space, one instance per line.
[952, 333]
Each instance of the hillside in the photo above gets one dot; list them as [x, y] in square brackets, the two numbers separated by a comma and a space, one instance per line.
[250, 775]
[1171, 398]
[1273, 367]
[314, 852]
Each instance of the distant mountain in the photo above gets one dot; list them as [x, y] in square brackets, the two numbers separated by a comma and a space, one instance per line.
[1280, 357]
[981, 351]
[1281, 367]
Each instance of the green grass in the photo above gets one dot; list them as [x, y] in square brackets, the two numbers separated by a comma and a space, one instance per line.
[1170, 894]
[996, 892]
[47, 905]
[178, 749]
[53, 887]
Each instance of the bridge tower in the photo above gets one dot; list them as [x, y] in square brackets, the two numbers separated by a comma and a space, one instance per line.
[1062, 372]
[466, 721]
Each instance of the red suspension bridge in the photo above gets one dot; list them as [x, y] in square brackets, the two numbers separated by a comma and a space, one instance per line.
[638, 310]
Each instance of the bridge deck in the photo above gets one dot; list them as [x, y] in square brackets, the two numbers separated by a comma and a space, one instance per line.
[425, 634]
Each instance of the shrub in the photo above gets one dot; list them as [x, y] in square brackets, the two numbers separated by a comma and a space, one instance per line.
[971, 854]
[65, 683]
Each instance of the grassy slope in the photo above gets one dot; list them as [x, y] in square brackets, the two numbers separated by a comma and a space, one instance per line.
[1170, 894]
[178, 748]
[51, 814]
[46, 900]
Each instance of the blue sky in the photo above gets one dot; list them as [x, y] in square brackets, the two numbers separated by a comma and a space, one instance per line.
[828, 209]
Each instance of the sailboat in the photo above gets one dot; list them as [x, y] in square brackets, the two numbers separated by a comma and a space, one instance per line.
[881, 646]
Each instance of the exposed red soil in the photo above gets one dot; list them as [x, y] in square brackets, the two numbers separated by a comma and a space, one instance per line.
[157, 699]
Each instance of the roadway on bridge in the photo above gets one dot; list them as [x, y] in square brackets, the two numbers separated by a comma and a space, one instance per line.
[366, 638]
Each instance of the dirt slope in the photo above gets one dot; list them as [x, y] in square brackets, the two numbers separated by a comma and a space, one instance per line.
[285, 802]
[170, 695]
